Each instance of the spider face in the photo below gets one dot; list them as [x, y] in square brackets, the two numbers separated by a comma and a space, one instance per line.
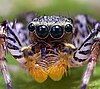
[49, 34]
[51, 28]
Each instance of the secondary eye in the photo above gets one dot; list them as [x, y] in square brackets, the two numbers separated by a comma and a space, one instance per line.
[70, 19]
[31, 27]
[42, 31]
[56, 31]
[68, 28]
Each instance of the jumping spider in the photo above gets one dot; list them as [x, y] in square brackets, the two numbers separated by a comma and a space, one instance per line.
[51, 45]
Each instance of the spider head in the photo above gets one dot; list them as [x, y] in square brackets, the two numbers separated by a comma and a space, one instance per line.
[50, 33]
[51, 28]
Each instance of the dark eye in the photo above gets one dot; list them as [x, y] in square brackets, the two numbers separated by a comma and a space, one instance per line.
[68, 28]
[56, 31]
[42, 31]
[70, 19]
[31, 27]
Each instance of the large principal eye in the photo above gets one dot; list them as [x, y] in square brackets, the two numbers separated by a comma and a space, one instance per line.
[56, 31]
[31, 27]
[42, 31]
[68, 28]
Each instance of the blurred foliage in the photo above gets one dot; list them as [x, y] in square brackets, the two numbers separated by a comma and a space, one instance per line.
[9, 9]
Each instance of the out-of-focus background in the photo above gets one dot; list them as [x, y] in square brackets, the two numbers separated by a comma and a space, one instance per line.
[9, 9]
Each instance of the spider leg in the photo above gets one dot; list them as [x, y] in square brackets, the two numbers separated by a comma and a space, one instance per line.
[83, 38]
[81, 30]
[18, 36]
[3, 65]
[88, 51]
[93, 59]
[5, 73]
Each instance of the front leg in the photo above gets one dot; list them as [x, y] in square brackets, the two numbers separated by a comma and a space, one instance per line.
[5, 73]
[88, 52]
[3, 65]
[93, 59]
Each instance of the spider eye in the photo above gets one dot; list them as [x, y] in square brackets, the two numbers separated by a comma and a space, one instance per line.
[70, 19]
[56, 31]
[42, 31]
[68, 28]
[31, 27]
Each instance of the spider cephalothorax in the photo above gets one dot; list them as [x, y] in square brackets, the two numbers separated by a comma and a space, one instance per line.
[49, 37]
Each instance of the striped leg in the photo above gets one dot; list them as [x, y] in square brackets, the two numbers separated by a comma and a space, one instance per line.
[82, 54]
[5, 73]
[3, 65]
[93, 59]
[89, 51]
[81, 29]
[16, 39]
[18, 36]
[83, 38]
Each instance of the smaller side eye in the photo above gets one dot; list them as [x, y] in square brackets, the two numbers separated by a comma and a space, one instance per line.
[31, 27]
[68, 28]
[70, 19]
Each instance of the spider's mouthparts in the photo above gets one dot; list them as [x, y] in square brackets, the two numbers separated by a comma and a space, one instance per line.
[48, 52]
[48, 62]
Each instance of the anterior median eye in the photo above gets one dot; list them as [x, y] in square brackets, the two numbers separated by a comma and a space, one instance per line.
[68, 28]
[42, 31]
[56, 31]
[31, 27]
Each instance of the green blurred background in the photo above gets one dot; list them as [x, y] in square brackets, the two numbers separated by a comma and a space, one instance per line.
[9, 9]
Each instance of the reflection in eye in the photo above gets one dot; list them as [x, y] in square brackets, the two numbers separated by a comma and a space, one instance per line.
[68, 28]
[56, 31]
[42, 31]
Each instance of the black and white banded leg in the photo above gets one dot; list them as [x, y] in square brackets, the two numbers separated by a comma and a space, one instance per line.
[84, 39]
[3, 65]
[5, 73]
[93, 59]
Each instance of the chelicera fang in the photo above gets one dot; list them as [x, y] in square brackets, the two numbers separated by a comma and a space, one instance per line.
[50, 45]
